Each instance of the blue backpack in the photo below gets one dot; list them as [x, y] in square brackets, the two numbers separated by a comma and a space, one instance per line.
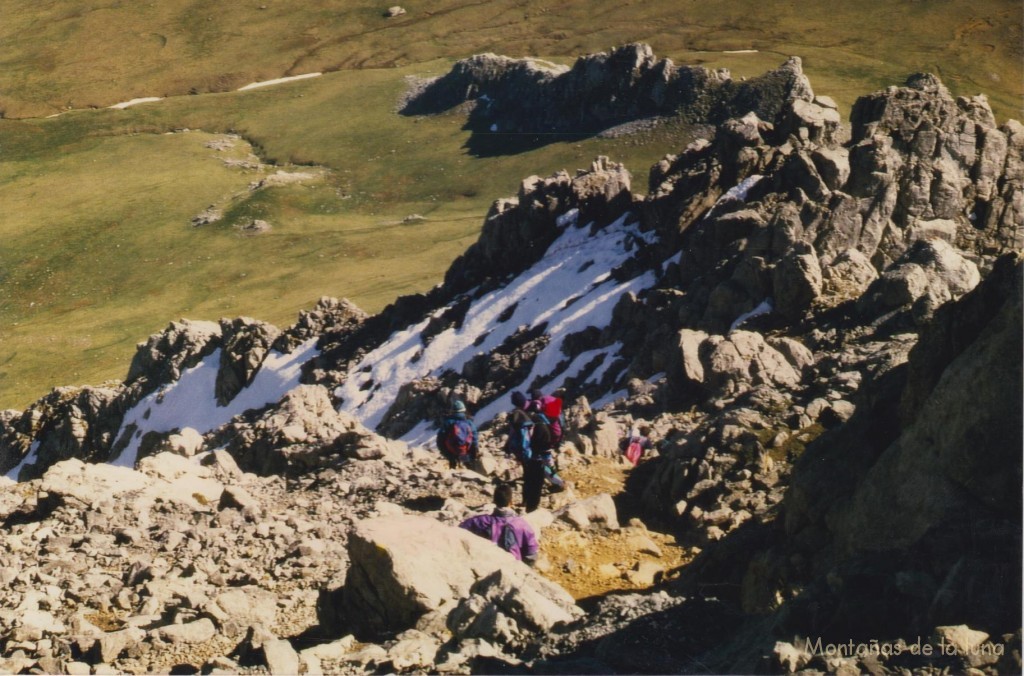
[507, 540]
[459, 438]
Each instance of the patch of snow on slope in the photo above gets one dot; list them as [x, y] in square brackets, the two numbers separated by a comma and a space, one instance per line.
[765, 307]
[737, 193]
[29, 459]
[280, 80]
[577, 265]
[190, 401]
[135, 102]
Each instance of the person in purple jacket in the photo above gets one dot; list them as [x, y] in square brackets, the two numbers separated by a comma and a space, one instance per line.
[505, 528]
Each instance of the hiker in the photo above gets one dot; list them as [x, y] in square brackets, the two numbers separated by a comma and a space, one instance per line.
[637, 443]
[529, 440]
[457, 438]
[551, 407]
[505, 528]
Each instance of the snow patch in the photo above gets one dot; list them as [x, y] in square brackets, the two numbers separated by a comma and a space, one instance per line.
[135, 102]
[737, 193]
[765, 307]
[280, 80]
[570, 217]
[535, 297]
[29, 459]
[190, 401]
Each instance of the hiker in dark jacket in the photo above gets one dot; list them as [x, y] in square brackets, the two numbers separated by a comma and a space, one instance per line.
[529, 440]
[457, 437]
[505, 528]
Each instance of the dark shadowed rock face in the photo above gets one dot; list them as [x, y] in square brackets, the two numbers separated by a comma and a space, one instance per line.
[602, 90]
[245, 344]
[163, 357]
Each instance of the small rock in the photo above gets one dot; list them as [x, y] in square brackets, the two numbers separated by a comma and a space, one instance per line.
[394, 11]
[964, 639]
[643, 544]
[200, 631]
[790, 657]
[281, 657]
[645, 574]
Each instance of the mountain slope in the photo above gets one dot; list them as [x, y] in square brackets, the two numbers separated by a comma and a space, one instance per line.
[763, 308]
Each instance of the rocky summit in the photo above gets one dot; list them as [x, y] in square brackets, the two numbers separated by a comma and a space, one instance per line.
[819, 320]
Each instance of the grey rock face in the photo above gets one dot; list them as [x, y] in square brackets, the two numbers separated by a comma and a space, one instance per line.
[163, 357]
[302, 432]
[602, 90]
[728, 365]
[245, 345]
[70, 422]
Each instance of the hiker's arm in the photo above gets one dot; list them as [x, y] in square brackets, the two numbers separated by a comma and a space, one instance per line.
[474, 526]
[529, 548]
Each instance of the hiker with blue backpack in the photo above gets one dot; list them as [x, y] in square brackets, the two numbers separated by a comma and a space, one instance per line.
[505, 528]
[530, 441]
[457, 437]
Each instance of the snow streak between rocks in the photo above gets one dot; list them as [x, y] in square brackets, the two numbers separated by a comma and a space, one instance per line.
[190, 401]
[576, 266]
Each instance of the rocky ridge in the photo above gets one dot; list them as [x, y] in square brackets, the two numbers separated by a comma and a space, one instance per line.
[794, 310]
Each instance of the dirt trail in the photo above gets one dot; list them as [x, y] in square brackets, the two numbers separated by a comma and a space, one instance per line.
[596, 562]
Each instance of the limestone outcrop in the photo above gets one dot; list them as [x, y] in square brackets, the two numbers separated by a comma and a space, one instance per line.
[602, 90]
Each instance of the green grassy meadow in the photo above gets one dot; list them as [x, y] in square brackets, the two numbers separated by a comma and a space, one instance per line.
[98, 250]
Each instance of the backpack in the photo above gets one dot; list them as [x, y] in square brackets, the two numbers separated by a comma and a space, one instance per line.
[459, 437]
[507, 539]
[634, 451]
[542, 437]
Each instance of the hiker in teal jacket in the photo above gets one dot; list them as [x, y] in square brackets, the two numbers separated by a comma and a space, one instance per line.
[457, 437]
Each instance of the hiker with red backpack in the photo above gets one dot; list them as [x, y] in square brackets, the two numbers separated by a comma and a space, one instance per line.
[457, 437]
[530, 440]
[551, 407]
[505, 528]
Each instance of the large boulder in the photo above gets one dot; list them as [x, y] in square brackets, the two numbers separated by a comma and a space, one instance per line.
[929, 274]
[303, 431]
[404, 567]
[725, 366]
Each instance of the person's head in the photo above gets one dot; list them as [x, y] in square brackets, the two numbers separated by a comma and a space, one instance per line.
[536, 393]
[518, 399]
[503, 495]
[458, 406]
[645, 430]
